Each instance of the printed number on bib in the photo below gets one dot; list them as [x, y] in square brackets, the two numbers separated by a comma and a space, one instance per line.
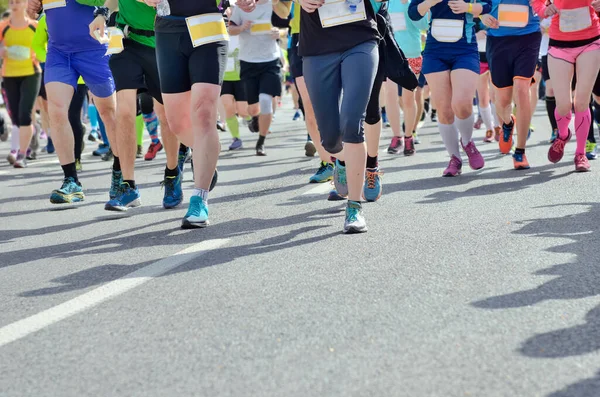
[50, 4]
[447, 30]
[398, 21]
[575, 20]
[337, 12]
[206, 29]
[18, 53]
[513, 15]
[261, 27]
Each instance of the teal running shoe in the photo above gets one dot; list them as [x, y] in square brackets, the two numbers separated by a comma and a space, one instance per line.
[173, 192]
[126, 198]
[355, 221]
[69, 192]
[115, 184]
[197, 214]
[339, 179]
[372, 189]
[323, 174]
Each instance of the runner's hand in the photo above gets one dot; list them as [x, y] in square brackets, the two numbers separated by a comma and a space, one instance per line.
[433, 2]
[33, 6]
[311, 6]
[551, 10]
[97, 27]
[489, 21]
[596, 5]
[275, 33]
[246, 25]
[458, 6]
[246, 5]
[481, 35]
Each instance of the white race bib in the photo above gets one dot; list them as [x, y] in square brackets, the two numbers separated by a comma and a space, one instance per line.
[18, 53]
[575, 20]
[50, 4]
[513, 15]
[481, 45]
[337, 12]
[447, 30]
[398, 21]
[206, 29]
[230, 64]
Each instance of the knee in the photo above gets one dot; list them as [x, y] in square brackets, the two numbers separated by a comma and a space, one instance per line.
[373, 115]
[332, 142]
[563, 108]
[445, 115]
[352, 129]
[254, 109]
[265, 104]
[581, 106]
[462, 109]
[204, 115]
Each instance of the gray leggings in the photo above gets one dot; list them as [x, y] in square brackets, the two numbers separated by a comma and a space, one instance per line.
[353, 72]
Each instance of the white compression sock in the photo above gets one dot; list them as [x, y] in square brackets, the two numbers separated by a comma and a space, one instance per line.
[465, 126]
[14, 138]
[495, 115]
[202, 193]
[449, 135]
[488, 120]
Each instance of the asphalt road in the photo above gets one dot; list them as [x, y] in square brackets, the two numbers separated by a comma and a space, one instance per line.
[482, 285]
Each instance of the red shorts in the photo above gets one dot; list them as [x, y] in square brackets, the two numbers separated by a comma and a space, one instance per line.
[416, 64]
[484, 67]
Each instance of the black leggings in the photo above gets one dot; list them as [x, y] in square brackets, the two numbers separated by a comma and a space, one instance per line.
[21, 93]
[145, 103]
[75, 118]
[373, 108]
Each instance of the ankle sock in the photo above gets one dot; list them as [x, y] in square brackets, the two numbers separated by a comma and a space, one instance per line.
[70, 171]
[130, 182]
[261, 140]
[372, 162]
[116, 164]
[171, 173]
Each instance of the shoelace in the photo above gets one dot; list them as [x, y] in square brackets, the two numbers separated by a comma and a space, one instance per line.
[559, 145]
[471, 149]
[371, 178]
[352, 214]
[169, 184]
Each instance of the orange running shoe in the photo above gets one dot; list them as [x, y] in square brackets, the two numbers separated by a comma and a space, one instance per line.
[506, 138]
[520, 161]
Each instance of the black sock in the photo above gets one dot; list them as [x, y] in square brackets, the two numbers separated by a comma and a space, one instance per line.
[116, 164]
[261, 140]
[550, 108]
[342, 163]
[372, 162]
[509, 124]
[426, 105]
[130, 183]
[591, 136]
[383, 110]
[596, 113]
[519, 151]
[70, 171]
[183, 148]
[171, 173]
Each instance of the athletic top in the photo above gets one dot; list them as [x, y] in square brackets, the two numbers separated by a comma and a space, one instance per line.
[137, 15]
[260, 46]
[406, 31]
[575, 25]
[295, 22]
[187, 8]
[317, 40]
[19, 59]
[516, 18]
[68, 28]
[232, 71]
[172, 13]
[448, 32]
[545, 23]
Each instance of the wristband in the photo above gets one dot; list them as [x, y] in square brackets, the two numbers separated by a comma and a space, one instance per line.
[102, 11]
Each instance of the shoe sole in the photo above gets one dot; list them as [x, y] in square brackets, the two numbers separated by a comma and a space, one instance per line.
[135, 203]
[353, 230]
[235, 148]
[186, 225]
[66, 199]
[452, 175]
[261, 154]
[170, 207]
[321, 181]
[582, 169]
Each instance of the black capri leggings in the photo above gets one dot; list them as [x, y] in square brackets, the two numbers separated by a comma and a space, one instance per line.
[21, 93]
[145, 103]
[75, 118]
[373, 108]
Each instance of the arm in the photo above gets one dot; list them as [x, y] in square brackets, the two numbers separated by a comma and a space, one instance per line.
[539, 6]
[282, 8]
[419, 8]
[236, 25]
[112, 5]
[423, 23]
[40, 40]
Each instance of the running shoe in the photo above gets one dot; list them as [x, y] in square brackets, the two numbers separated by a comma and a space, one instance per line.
[214, 180]
[236, 144]
[354, 221]
[423, 116]
[12, 157]
[477, 124]
[590, 151]
[103, 148]
[43, 134]
[78, 166]
[297, 115]
[108, 156]
[260, 149]
[221, 126]
[182, 158]
[520, 161]
[529, 132]
[253, 125]
[384, 119]
[50, 146]
[416, 139]
[173, 192]
[581, 163]
[506, 141]
[125, 199]
[323, 174]
[153, 150]
[476, 160]
[409, 146]
[553, 136]
[497, 133]
[395, 145]
[489, 136]
[20, 162]
[115, 184]
[339, 179]
[140, 152]
[310, 149]
[334, 196]
[373, 188]
[454, 167]
[69, 192]
[4, 133]
[557, 149]
[434, 115]
[197, 214]
[93, 136]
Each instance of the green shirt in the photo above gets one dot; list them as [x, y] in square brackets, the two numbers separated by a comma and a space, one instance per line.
[139, 16]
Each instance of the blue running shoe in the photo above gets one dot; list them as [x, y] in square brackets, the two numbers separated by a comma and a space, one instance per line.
[173, 192]
[372, 189]
[339, 179]
[355, 221]
[181, 159]
[297, 116]
[69, 192]
[126, 198]
[103, 148]
[236, 144]
[323, 174]
[197, 214]
[115, 184]
[50, 146]
[553, 136]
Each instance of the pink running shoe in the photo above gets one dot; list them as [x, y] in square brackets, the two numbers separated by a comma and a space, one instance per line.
[557, 149]
[581, 163]
[454, 167]
[476, 160]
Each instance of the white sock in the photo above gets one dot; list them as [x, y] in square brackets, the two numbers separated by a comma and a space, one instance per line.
[465, 126]
[14, 138]
[488, 120]
[495, 115]
[201, 193]
[449, 135]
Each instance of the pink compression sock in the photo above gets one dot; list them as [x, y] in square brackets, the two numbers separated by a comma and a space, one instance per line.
[563, 124]
[582, 129]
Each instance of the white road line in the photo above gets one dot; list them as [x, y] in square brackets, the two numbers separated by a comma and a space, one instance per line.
[3, 172]
[29, 325]
[321, 188]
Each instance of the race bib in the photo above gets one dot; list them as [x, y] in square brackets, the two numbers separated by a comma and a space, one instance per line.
[481, 45]
[18, 53]
[447, 30]
[513, 15]
[337, 12]
[115, 41]
[575, 20]
[50, 4]
[261, 27]
[398, 21]
[206, 29]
